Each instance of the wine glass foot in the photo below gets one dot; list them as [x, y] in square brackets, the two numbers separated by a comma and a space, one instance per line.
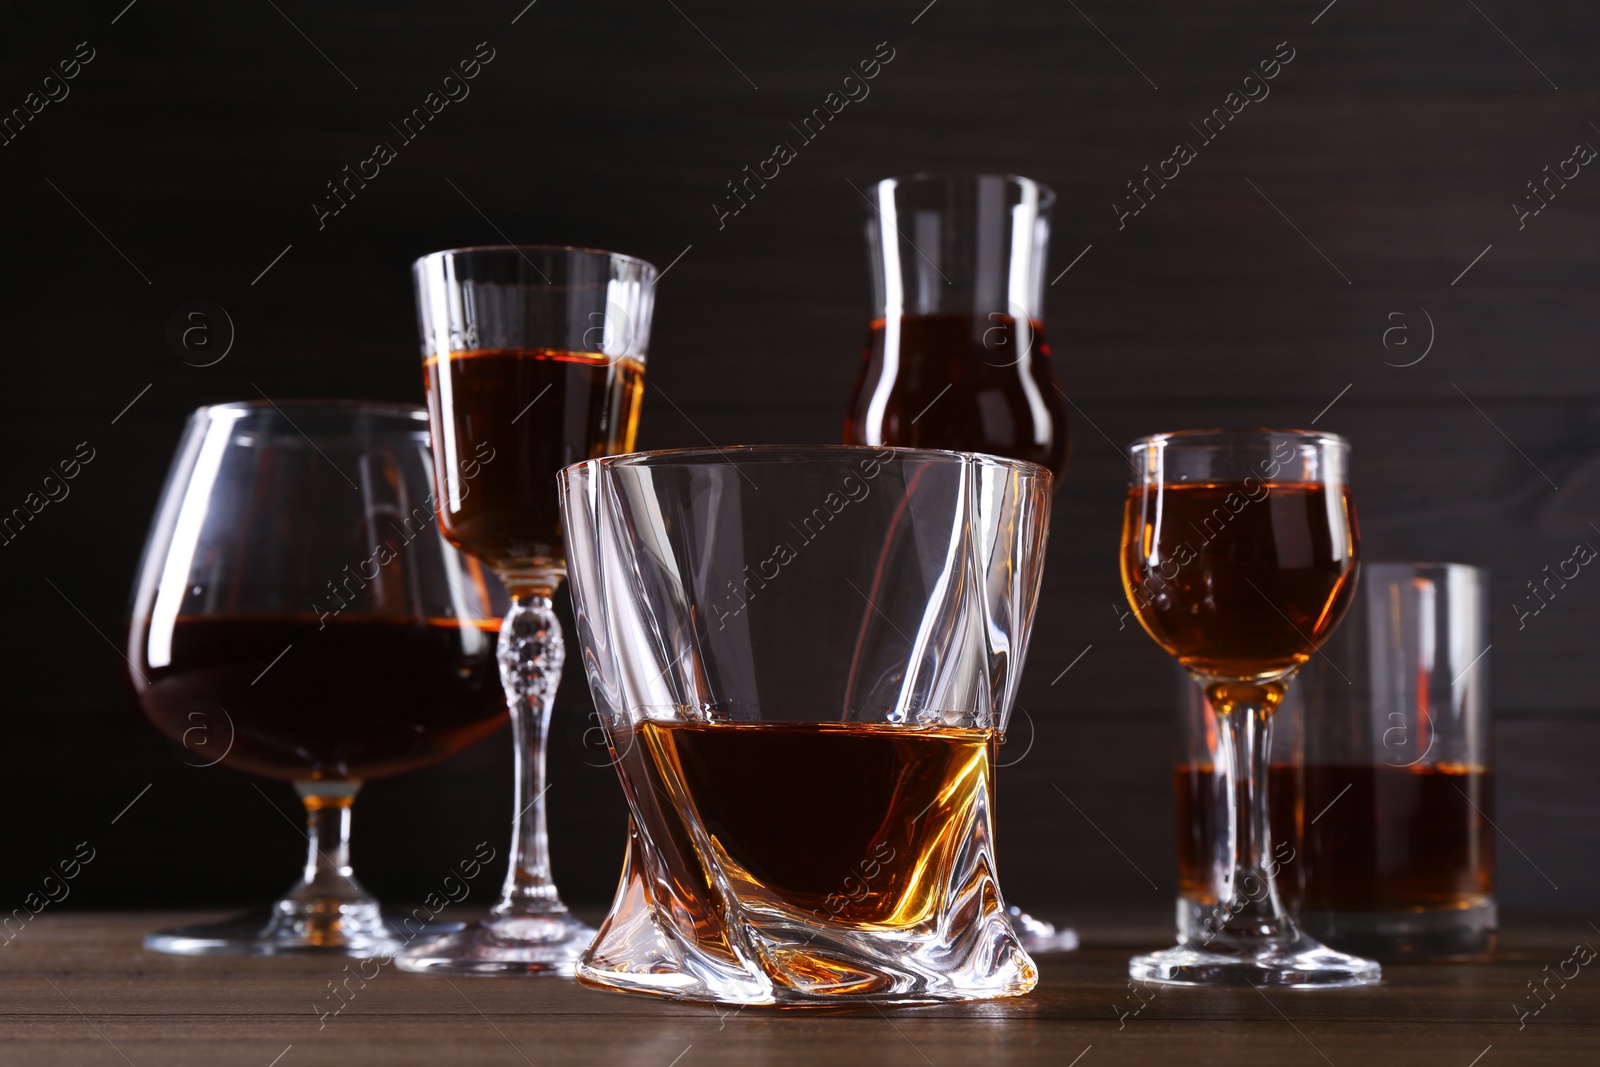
[366, 935]
[504, 945]
[1293, 963]
[1038, 936]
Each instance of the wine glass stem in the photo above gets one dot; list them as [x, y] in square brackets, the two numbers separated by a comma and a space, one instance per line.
[1249, 907]
[531, 653]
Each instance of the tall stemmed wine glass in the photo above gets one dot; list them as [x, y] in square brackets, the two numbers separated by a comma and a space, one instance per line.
[1239, 556]
[956, 355]
[297, 615]
[533, 357]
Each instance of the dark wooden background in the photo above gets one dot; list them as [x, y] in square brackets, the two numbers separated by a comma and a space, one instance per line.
[1396, 141]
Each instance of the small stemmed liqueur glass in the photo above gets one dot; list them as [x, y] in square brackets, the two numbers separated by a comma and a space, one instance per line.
[533, 357]
[1239, 556]
[297, 615]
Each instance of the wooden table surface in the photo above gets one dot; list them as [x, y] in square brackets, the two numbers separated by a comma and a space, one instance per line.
[78, 989]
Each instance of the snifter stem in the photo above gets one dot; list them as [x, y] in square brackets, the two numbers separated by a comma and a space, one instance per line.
[329, 908]
[1249, 909]
[327, 834]
[531, 655]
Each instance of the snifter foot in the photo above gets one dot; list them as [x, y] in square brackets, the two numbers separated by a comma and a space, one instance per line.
[327, 911]
[367, 935]
[541, 944]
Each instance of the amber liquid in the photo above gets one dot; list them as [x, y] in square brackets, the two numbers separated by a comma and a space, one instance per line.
[1397, 839]
[955, 381]
[1234, 587]
[847, 823]
[358, 698]
[504, 422]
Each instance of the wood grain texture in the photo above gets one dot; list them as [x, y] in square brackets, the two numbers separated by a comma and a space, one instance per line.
[79, 990]
[1253, 289]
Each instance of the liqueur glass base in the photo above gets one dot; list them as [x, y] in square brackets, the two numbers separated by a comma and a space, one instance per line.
[1288, 959]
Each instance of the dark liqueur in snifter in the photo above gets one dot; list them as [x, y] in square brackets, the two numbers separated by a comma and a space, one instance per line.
[300, 698]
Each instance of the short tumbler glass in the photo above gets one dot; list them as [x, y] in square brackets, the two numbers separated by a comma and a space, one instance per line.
[804, 658]
[1396, 793]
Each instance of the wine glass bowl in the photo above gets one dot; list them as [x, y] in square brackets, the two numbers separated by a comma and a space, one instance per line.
[1239, 558]
[510, 519]
[537, 356]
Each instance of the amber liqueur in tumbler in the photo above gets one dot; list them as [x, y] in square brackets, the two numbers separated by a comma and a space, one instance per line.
[850, 824]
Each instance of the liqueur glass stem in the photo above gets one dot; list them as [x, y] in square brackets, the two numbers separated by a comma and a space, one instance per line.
[327, 836]
[1251, 907]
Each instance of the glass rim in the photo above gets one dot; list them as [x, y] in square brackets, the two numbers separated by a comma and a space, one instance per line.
[695, 715]
[318, 405]
[520, 248]
[729, 454]
[1423, 565]
[1047, 195]
[1223, 435]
